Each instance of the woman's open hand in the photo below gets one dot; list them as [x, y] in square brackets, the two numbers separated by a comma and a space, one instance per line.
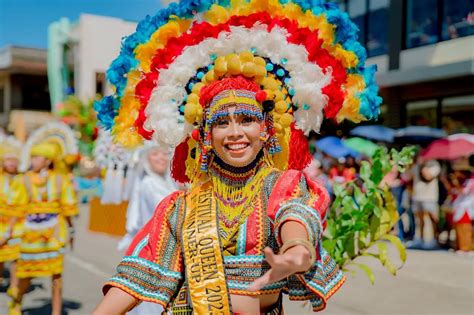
[295, 259]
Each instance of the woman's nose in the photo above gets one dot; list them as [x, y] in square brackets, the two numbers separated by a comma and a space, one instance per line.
[235, 129]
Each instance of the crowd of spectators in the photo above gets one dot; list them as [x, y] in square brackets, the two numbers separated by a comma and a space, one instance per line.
[435, 200]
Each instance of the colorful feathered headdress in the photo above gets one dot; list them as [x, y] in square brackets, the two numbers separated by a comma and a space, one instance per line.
[55, 141]
[301, 57]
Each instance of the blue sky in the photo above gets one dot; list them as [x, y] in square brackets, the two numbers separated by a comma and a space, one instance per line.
[25, 22]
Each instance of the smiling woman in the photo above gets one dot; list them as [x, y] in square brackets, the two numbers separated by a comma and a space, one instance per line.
[237, 138]
[233, 90]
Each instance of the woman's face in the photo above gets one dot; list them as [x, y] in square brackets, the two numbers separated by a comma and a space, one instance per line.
[236, 138]
[39, 162]
[10, 165]
[158, 161]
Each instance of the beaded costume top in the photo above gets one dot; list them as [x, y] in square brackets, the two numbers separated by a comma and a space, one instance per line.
[152, 269]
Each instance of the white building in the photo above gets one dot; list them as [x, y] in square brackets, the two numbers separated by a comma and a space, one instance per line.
[89, 45]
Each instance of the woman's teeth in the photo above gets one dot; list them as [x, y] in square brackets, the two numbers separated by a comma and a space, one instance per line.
[238, 146]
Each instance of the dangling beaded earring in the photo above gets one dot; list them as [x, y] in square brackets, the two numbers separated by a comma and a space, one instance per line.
[263, 130]
[206, 148]
[272, 142]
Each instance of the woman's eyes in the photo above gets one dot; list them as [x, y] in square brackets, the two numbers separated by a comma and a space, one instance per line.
[247, 120]
[244, 120]
[222, 122]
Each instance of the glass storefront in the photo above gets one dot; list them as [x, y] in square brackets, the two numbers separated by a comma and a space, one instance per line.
[422, 113]
[457, 114]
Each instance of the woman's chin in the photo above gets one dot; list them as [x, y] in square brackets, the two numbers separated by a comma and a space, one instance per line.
[239, 160]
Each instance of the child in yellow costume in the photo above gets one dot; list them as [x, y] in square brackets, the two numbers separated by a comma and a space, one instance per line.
[46, 196]
[10, 220]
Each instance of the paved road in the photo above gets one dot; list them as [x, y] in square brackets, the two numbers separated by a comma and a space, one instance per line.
[435, 282]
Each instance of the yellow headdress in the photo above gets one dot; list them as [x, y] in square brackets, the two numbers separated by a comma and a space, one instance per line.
[46, 149]
[54, 141]
[10, 147]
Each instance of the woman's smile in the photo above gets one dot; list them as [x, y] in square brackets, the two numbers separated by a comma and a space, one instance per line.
[236, 148]
[236, 138]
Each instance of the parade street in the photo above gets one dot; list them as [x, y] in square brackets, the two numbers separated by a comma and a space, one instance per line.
[431, 282]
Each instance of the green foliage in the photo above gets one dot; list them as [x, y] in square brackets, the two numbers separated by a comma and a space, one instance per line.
[364, 212]
[82, 118]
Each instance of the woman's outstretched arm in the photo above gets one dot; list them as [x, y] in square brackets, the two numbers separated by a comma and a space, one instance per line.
[115, 302]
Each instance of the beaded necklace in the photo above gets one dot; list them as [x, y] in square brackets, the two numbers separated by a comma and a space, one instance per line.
[236, 190]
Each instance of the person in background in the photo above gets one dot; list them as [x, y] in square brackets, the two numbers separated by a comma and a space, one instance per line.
[10, 220]
[351, 166]
[152, 184]
[463, 207]
[325, 160]
[340, 173]
[425, 199]
[394, 182]
[315, 172]
[46, 196]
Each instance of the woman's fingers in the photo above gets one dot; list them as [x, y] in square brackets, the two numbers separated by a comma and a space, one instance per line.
[279, 270]
[261, 282]
[269, 256]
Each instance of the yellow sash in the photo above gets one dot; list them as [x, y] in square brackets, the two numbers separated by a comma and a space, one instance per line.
[203, 255]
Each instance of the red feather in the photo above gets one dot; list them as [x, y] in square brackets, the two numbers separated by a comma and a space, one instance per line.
[139, 123]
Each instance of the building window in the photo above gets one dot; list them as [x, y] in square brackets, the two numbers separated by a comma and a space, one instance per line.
[377, 30]
[371, 16]
[422, 23]
[432, 21]
[357, 10]
[100, 83]
[30, 92]
[2, 98]
[457, 114]
[458, 19]
[422, 113]
[341, 3]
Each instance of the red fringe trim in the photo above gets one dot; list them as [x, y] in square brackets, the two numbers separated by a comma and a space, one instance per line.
[178, 165]
[300, 156]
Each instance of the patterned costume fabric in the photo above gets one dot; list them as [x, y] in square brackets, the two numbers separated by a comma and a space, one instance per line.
[152, 269]
[45, 204]
[11, 250]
